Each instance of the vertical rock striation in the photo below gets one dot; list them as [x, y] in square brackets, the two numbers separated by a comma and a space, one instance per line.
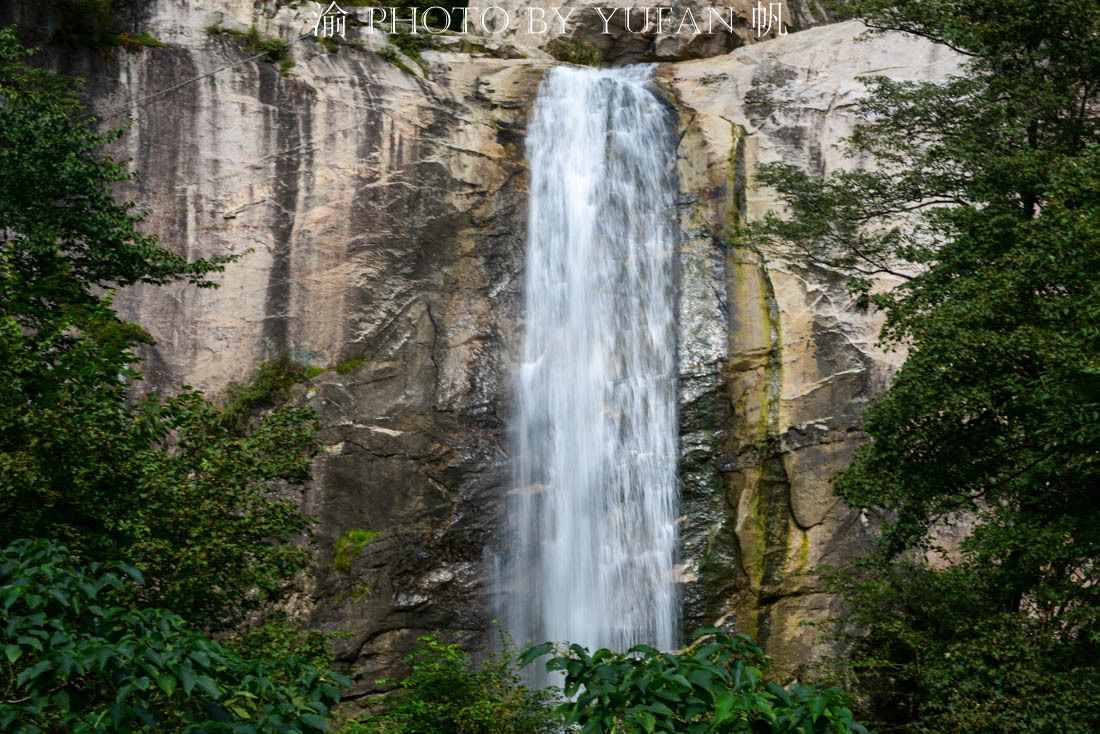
[799, 362]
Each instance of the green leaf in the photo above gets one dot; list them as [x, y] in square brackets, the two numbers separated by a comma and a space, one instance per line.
[167, 683]
[314, 721]
[723, 709]
[33, 672]
[593, 727]
[658, 707]
[533, 653]
[647, 720]
[207, 684]
[187, 678]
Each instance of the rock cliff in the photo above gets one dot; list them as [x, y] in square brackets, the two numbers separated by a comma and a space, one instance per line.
[790, 364]
[377, 202]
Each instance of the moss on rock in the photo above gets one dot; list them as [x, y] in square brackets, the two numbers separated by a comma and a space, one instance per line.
[349, 546]
[574, 51]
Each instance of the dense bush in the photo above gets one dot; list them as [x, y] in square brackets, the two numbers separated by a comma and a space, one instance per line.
[912, 661]
[183, 493]
[1004, 387]
[715, 686]
[267, 389]
[77, 659]
[447, 692]
[280, 637]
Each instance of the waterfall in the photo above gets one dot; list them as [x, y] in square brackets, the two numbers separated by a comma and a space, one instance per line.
[592, 515]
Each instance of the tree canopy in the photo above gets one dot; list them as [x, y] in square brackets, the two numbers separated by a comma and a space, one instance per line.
[150, 521]
[78, 658]
[173, 485]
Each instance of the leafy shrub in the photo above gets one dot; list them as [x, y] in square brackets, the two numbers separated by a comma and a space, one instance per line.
[350, 365]
[161, 484]
[981, 191]
[268, 387]
[408, 45]
[137, 41]
[278, 638]
[411, 45]
[75, 661]
[574, 51]
[918, 669]
[447, 693]
[391, 54]
[715, 686]
[274, 50]
[349, 546]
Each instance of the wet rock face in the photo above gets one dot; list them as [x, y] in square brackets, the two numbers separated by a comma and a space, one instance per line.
[800, 362]
[379, 215]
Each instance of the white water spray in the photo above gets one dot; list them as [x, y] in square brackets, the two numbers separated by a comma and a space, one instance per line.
[592, 539]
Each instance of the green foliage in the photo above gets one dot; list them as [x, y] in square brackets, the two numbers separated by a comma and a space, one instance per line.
[77, 661]
[268, 388]
[1006, 427]
[170, 485]
[68, 233]
[274, 50]
[1003, 387]
[390, 54]
[411, 45]
[985, 203]
[161, 483]
[349, 546]
[715, 685]
[447, 693]
[932, 654]
[137, 41]
[278, 638]
[350, 365]
[182, 492]
[574, 51]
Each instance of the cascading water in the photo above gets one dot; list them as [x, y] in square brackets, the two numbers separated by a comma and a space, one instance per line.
[592, 539]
